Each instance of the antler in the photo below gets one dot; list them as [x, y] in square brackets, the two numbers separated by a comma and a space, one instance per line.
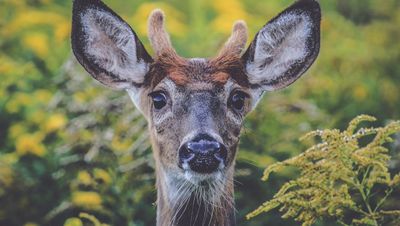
[237, 42]
[158, 36]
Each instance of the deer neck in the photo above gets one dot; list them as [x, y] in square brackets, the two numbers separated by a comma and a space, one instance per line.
[180, 203]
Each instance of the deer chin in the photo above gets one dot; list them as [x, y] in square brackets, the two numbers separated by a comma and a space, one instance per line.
[199, 179]
[189, 180]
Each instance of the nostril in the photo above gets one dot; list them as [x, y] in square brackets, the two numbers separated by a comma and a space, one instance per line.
[202, 154]
[186, 154]
[221, 154]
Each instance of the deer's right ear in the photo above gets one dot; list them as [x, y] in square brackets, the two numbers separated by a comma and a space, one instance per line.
[107, 47]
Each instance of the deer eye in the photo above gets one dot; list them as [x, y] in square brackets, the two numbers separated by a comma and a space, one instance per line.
[159, 99]
[236, 100]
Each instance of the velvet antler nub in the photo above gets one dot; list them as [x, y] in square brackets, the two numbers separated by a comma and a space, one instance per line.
[159, 38]
[237, 42]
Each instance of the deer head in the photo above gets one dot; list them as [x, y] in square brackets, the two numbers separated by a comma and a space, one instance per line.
[195, 107]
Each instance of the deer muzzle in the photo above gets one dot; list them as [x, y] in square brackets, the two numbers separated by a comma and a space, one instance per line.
[203, 155]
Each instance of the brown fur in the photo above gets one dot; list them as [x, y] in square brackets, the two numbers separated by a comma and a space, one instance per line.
[175, 67]
[182, 71]
[220, 77]
[231, 65]
[168, 64]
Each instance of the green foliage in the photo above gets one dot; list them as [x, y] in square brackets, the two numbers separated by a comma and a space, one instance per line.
[340, 176]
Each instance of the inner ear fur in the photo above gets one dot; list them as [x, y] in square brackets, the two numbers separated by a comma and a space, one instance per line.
[107, 47]
[285, 47]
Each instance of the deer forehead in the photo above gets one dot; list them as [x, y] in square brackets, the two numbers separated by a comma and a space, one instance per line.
[198, 73]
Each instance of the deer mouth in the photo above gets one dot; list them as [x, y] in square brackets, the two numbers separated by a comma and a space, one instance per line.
[203, 180]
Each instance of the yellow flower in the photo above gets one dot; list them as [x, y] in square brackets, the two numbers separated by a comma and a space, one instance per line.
[6, 66]
[62, 31]
[37, 117]
[6, 171]
[86, 95]
[80, 97]
[6, 175]
[55, 122]
[29, 18]
[228, 12]
[16, 130]
[84, 178]
[73, 222]
[9, 158]
[92, 219]
[119, 144]
[42, 95]
[102, 175]
[360, 93]
[30, 144]
[31, 224]
[86, 199]
[38, 43]
[18, 101]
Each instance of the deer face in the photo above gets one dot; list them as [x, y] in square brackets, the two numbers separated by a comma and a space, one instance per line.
[195, 117]
[195, 107]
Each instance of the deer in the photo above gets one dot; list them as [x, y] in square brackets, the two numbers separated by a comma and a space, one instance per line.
[195, 107]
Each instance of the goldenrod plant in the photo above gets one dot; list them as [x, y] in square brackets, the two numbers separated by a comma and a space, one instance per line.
[343, 177]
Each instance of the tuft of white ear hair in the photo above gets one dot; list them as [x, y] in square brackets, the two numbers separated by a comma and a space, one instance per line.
[237, 42]
[158, 36]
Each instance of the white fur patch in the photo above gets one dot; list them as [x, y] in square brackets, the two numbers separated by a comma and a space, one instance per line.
[181, 186]
[134, 94]
[111, 45]
[200, 60]
[279, 45]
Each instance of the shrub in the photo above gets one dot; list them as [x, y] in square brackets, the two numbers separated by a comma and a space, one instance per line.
[339, 178]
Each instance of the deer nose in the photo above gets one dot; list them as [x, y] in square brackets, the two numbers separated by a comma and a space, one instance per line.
[202, 154]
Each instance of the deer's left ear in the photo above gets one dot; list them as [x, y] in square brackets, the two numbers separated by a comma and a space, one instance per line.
[107, 47]
[285, 47]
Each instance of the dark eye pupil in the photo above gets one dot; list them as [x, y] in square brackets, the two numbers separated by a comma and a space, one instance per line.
[237, 101]
[159, 100]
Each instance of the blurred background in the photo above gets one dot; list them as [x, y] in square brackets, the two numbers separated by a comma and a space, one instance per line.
[69, 145]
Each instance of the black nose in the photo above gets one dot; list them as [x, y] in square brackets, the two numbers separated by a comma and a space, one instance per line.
[203, 154]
